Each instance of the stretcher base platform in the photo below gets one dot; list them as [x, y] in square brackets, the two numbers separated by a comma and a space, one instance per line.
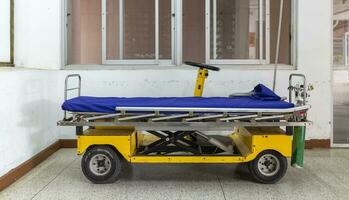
[246, 143]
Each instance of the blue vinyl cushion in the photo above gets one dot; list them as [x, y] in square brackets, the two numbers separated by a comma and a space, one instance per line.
[262, 97]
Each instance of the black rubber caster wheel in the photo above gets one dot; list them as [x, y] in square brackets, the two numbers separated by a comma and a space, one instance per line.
[268, 167]
[101, 164]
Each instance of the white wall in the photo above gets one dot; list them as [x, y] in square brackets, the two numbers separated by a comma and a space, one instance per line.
[29, 105]
[5, 31]
[33, 98]
[38, 33]
[28, 114]
[314, 60]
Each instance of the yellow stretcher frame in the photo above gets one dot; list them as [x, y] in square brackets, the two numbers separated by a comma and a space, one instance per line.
[250, 142]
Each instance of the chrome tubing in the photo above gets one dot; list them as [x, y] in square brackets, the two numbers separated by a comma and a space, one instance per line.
[66, 89]
[305, 87]
[278, 44]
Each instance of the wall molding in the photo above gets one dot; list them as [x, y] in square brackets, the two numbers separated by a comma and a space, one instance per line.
[28, 165]
[68, 143]
[318, 143]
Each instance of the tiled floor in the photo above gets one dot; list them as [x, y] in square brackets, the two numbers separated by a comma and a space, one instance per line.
[325, 176]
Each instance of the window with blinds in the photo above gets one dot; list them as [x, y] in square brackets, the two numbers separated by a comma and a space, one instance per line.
[169, 32]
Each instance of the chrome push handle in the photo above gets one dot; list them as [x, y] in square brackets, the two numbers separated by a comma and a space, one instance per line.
[302, 89]
[66, 89]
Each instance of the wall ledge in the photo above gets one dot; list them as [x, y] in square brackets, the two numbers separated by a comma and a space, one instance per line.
[20, 69]
[252, 67]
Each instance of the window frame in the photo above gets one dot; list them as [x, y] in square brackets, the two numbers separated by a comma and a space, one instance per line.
[345, 48]
[176, 43]
[11, 62]
[345, 51]
[156, 60]
[264, 33]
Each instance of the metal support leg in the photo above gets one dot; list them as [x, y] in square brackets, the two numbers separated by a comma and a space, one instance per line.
[79, 130]
[289, 130]
[298, 147]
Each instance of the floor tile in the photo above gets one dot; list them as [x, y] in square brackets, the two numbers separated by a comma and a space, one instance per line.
[324, 176]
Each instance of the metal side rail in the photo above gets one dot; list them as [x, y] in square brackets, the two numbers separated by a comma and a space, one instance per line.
[184, 119]
[185, 126]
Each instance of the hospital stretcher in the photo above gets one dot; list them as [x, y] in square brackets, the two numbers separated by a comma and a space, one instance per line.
[265, 128]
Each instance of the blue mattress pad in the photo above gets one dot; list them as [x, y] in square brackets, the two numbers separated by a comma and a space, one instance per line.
[261, 97]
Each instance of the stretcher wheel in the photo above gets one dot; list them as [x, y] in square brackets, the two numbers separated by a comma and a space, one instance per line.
[268, 167]
[101, 164]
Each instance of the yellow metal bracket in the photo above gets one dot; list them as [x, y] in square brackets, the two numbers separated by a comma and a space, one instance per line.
[200, 82]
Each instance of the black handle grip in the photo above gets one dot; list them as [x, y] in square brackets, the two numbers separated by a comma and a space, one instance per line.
[200, 65]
